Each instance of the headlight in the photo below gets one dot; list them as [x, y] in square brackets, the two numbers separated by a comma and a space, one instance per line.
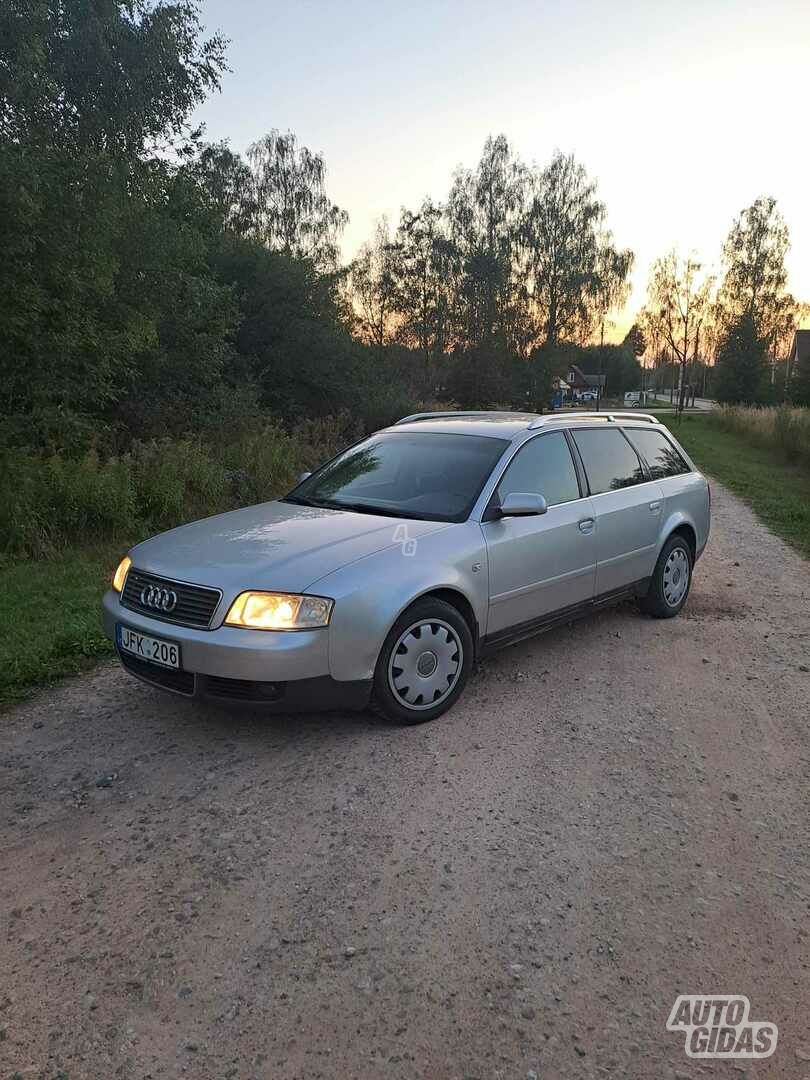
[279, 611]
[120, 575]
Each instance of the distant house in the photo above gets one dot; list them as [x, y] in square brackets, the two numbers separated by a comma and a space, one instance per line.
[579, 381]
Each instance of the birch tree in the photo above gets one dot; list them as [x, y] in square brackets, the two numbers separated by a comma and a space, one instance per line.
[293, 213]
[426, 268]
[574, 272]
[373, 287]
[754, 282]
[678, 304]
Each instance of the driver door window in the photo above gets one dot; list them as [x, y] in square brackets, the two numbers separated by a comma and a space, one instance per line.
[544, 467]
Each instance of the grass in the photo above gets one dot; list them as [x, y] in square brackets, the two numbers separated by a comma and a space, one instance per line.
[50, 618]
[777, 491]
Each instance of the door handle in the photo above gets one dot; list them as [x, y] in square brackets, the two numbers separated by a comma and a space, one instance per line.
[586, 525]
[655, 506]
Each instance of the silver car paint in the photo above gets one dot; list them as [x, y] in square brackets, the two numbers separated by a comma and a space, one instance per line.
[370, 594]
[628, 525]
[539, 564]
[274, 545]
[375, 567]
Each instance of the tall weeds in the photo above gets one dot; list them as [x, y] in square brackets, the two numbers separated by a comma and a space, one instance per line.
[47, 503]
[780, 428]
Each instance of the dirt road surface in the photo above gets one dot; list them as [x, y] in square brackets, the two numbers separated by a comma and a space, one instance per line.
[615, 814]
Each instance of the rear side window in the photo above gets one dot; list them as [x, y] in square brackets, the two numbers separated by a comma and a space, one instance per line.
[659, 453]
[545, 467]
[609, 459]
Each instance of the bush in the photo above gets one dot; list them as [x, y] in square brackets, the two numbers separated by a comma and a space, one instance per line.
[175, 480]
[47, 503]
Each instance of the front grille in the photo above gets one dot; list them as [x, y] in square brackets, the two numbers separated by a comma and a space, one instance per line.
[195, 603]
[182, 682]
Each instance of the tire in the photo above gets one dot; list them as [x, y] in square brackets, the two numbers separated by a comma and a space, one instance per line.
[424, 663]
[668, 587]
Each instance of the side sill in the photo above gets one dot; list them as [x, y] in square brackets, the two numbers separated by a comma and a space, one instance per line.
[513, 634]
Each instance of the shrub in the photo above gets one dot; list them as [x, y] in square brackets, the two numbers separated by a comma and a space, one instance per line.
[49, 502]
[45, 501]
[175, 480]
[24, 525]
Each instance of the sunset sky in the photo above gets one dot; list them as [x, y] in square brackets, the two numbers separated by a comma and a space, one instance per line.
[684, 112]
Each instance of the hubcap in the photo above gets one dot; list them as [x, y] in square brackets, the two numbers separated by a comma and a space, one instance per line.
[425, 664]
[676, 576]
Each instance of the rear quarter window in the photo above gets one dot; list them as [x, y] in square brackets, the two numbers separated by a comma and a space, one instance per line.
[662, 457]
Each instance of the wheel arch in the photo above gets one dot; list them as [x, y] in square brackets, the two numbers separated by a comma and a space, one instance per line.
[689, 534]
[455, 598]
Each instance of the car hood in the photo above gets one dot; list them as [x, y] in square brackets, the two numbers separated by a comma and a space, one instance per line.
[275, 545]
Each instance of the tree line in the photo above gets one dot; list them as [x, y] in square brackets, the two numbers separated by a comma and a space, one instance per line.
[153, 285]
[731, 332]
[516, 263]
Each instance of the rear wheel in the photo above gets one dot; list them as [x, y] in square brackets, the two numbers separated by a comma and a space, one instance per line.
[424, 663]
[671, 580]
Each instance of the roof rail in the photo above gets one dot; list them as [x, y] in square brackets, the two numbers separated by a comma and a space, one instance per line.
[631, 414]
[440, 414]
[608, 417]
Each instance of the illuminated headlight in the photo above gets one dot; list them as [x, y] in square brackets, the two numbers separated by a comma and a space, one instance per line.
[120, 575]
[279, 611]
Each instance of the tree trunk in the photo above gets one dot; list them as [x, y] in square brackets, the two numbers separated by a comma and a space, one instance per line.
[681, 387]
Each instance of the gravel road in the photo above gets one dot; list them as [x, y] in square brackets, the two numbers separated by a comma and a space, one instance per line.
[616, 813]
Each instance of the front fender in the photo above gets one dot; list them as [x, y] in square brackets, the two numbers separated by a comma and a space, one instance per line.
[371, 593]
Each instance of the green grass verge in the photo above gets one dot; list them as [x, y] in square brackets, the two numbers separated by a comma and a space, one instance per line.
[50, 618]
[50, 609]
[778, 493]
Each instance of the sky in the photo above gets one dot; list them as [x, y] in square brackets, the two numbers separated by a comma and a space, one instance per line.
[683, 112]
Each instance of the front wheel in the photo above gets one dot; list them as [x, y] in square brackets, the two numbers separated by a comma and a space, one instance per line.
[672, 577]
[424, 663]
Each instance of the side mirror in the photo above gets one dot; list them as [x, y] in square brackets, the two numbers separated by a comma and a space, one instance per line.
[523, 504]
[303, 476]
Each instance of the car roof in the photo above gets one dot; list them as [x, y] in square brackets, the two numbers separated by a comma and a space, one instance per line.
[507, 425]
[498, 425]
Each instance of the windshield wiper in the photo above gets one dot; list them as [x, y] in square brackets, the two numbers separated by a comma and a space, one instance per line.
[299, 500]
[367, 508]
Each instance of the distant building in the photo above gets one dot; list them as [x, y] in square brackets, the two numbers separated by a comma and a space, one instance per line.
[579, 381]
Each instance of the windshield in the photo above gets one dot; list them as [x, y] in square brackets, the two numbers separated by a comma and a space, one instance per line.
[432, 476]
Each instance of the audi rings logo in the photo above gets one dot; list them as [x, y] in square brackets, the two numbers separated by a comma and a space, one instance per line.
[158, 598]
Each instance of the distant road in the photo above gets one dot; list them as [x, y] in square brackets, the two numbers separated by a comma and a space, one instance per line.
[701, 404]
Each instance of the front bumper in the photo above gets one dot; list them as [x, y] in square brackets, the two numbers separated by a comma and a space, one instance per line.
[283, 671]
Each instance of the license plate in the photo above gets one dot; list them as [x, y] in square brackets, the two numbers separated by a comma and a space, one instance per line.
[155, 650]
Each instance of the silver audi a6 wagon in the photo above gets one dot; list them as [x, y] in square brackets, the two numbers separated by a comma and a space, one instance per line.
[383, 576]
